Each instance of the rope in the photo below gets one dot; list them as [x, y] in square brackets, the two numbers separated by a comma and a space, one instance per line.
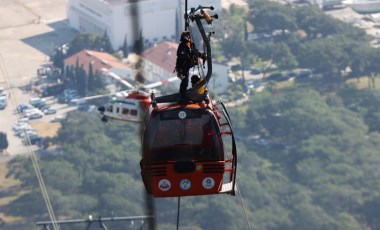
[244, 209]
[30, 150]
[178, 209]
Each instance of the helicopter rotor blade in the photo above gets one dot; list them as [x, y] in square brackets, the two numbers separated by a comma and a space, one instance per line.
[92, 97]
[162, 82]
[119, 94]
[118, 78]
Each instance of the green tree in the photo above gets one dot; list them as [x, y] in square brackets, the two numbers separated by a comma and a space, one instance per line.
[61, 176]
[80, 79]
[315, 23]
[269, 17]
[326, 55]
[125, 47]
[233, 35]
[81, 42]
[58, 58]
[361, 60]
[90, 79]
[139, 43]
[106, 44]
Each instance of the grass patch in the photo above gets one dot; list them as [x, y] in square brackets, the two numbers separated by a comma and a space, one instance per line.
[284, 84]
[45, 129]
[6, 183]
[363, 82]
[9, 191]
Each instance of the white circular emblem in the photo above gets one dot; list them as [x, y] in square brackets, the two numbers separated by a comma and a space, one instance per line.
[208, 183]
[182, 114]
[185, 184]
[164, 185]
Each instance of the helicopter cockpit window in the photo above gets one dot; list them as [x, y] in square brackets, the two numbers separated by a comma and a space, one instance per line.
[125, 111]
[193, 138]
[110, 108]
[117, 110]
[133, 112]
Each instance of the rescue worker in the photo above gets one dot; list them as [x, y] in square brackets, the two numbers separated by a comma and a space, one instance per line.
[195, 80]
[185, 60]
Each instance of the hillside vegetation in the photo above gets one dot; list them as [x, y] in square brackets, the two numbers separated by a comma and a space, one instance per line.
[319, 170]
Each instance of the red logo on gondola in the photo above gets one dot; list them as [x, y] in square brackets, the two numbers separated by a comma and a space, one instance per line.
[164, 185]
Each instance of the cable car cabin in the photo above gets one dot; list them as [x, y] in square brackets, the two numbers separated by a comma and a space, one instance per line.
[184, 153]
[124, 110]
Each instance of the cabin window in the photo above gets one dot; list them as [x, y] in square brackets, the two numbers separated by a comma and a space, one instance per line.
[117, 110]
[193, 138]
[125, 111]
[133, 112]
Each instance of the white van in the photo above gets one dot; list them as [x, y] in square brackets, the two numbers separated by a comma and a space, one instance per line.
[36, 100]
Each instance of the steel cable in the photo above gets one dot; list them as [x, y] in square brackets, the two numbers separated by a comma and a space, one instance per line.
[30, 150]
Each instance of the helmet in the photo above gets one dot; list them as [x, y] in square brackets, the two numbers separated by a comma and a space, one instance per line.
[185, 36]
[195, 79]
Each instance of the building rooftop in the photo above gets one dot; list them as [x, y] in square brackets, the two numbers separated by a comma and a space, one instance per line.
[163, 54]
[99, 60]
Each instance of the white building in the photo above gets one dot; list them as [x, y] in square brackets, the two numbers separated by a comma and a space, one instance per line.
[219, 80]
[154, 20]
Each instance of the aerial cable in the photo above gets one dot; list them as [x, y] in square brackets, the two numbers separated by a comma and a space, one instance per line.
[243, 206]
[30, 150]
[178, 209]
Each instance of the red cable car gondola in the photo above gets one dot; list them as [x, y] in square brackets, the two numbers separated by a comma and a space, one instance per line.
[184, 151]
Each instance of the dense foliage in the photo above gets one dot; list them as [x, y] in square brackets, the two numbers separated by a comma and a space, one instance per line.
[319, 170]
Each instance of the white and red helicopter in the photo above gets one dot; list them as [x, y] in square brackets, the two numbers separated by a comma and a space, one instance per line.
[129, 105]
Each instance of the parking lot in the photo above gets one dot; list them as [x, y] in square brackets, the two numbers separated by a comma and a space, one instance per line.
[30, 31]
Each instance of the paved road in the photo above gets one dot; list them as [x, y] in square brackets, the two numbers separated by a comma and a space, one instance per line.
[29, 32]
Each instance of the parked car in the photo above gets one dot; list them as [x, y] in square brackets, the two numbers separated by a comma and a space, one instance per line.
[36, 100]
[57, 119]
[40, 105]
[304, 73]
[35, 115]
[34, 139]
[70, 94]
[3, 102]
[236, 67]
[2, 92]
[278, 77]
[28, 112]
[61, 99]
[27, 132]
[255, 71]
[23, 120]
[49, 111]
[275, 76]
[22, 107]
